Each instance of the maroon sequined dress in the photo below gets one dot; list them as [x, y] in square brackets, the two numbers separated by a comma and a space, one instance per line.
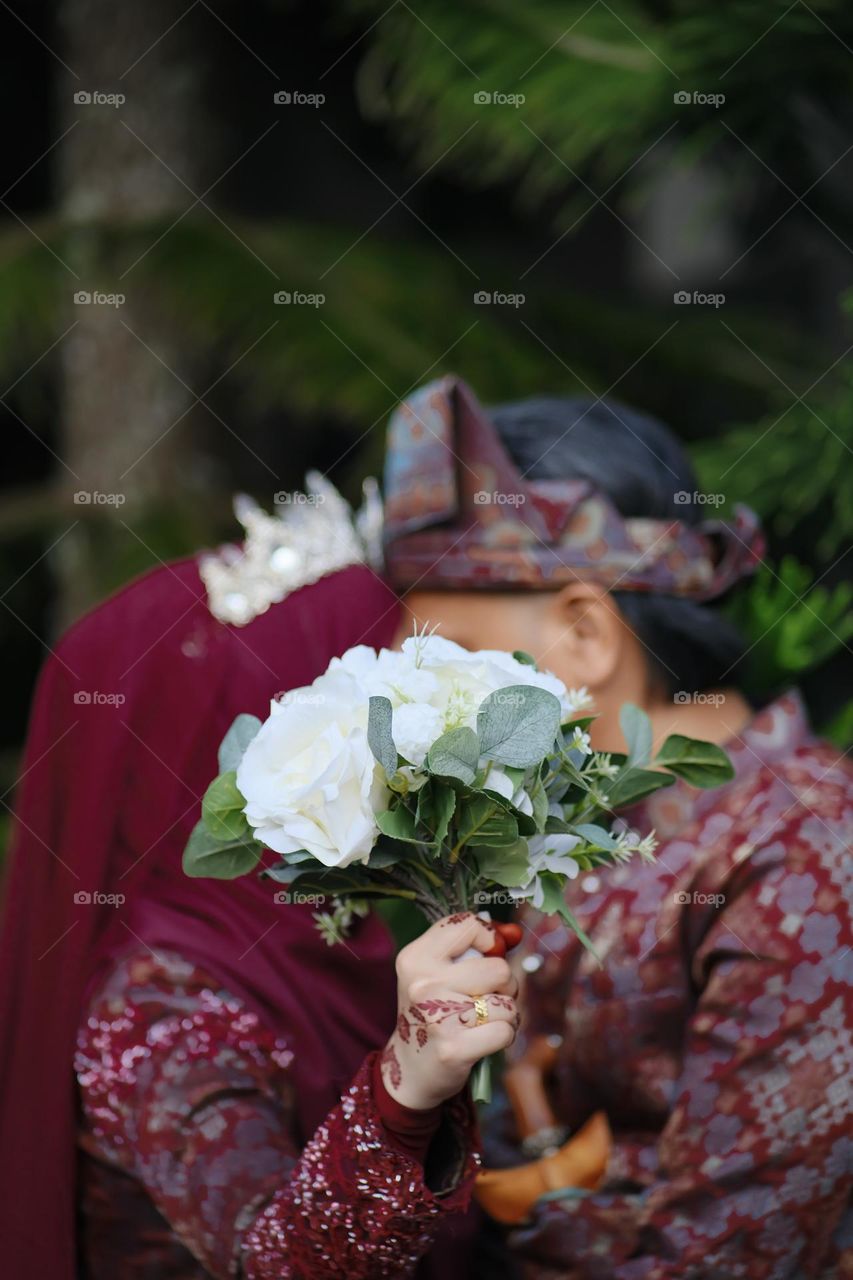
[189, 1162]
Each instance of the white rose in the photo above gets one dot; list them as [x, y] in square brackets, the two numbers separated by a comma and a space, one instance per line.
[309, 777]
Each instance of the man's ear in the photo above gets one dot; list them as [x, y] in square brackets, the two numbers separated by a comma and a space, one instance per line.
[589, 632]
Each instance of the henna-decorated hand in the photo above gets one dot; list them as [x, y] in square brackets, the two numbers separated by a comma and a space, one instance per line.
[436, 1041]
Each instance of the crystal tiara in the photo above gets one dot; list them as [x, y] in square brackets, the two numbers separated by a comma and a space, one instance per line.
[312, 534]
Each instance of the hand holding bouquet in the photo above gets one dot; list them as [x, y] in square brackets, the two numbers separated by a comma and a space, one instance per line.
[449, 778]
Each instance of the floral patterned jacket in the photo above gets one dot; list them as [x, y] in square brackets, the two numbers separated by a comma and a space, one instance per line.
[188, 1165]
[716, 1035]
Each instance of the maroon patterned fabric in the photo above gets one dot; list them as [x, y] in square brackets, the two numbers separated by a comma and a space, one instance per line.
[717, 1033]
[459, 514]
[192, 1166]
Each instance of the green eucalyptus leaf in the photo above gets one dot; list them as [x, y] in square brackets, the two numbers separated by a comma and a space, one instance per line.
[379, 736]
[233, 746]
[455, 755]
[637, 730]
[553, 891]
[483, 822]
[436, 806]
[222, 809]
[634, 784]
[702, 764]
[595, 835]
[399, 824]
[506, 866]
[204, 855]
[517, 725]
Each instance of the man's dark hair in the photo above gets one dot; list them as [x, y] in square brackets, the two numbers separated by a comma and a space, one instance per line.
[639, 464]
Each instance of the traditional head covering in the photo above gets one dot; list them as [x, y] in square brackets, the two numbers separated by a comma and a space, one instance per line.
[458, 513]
[129, 710]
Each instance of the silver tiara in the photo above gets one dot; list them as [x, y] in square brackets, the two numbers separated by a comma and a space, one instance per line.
[311, 535]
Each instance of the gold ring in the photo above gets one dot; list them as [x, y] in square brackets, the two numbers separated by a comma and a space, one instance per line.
[482, 1010]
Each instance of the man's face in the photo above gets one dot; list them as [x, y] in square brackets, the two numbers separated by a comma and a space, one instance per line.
[506, 620]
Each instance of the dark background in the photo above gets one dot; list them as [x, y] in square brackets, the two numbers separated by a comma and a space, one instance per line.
[397, 198]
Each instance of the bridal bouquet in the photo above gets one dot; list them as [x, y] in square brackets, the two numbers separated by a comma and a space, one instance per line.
[450, 778]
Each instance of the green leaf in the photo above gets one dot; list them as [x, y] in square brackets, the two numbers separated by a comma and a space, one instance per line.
[554, 903]
[436, 805]
[233, 746]
[633, 785]
[596, 836]
[506, 866]
[702, 764]
[483, 822]
[539, 800]
[204, 855]
[524, 658]
[637, 730]
[455, 755]
[379, 736]
[399, 824]
[518, 725]
[222, 809]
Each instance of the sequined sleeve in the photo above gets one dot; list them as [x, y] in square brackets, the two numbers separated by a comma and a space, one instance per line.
[751, 1171]
[184, 1089]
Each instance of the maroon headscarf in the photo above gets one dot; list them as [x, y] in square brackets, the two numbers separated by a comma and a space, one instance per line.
[127, 718]
[458, 513]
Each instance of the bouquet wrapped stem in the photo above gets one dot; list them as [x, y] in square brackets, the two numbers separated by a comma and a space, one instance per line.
[454, 780]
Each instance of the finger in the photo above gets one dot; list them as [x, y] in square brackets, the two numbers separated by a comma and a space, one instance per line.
[500, 1009]
[491, 1037]
[506, 936]
[477, 977]
[453, 935]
